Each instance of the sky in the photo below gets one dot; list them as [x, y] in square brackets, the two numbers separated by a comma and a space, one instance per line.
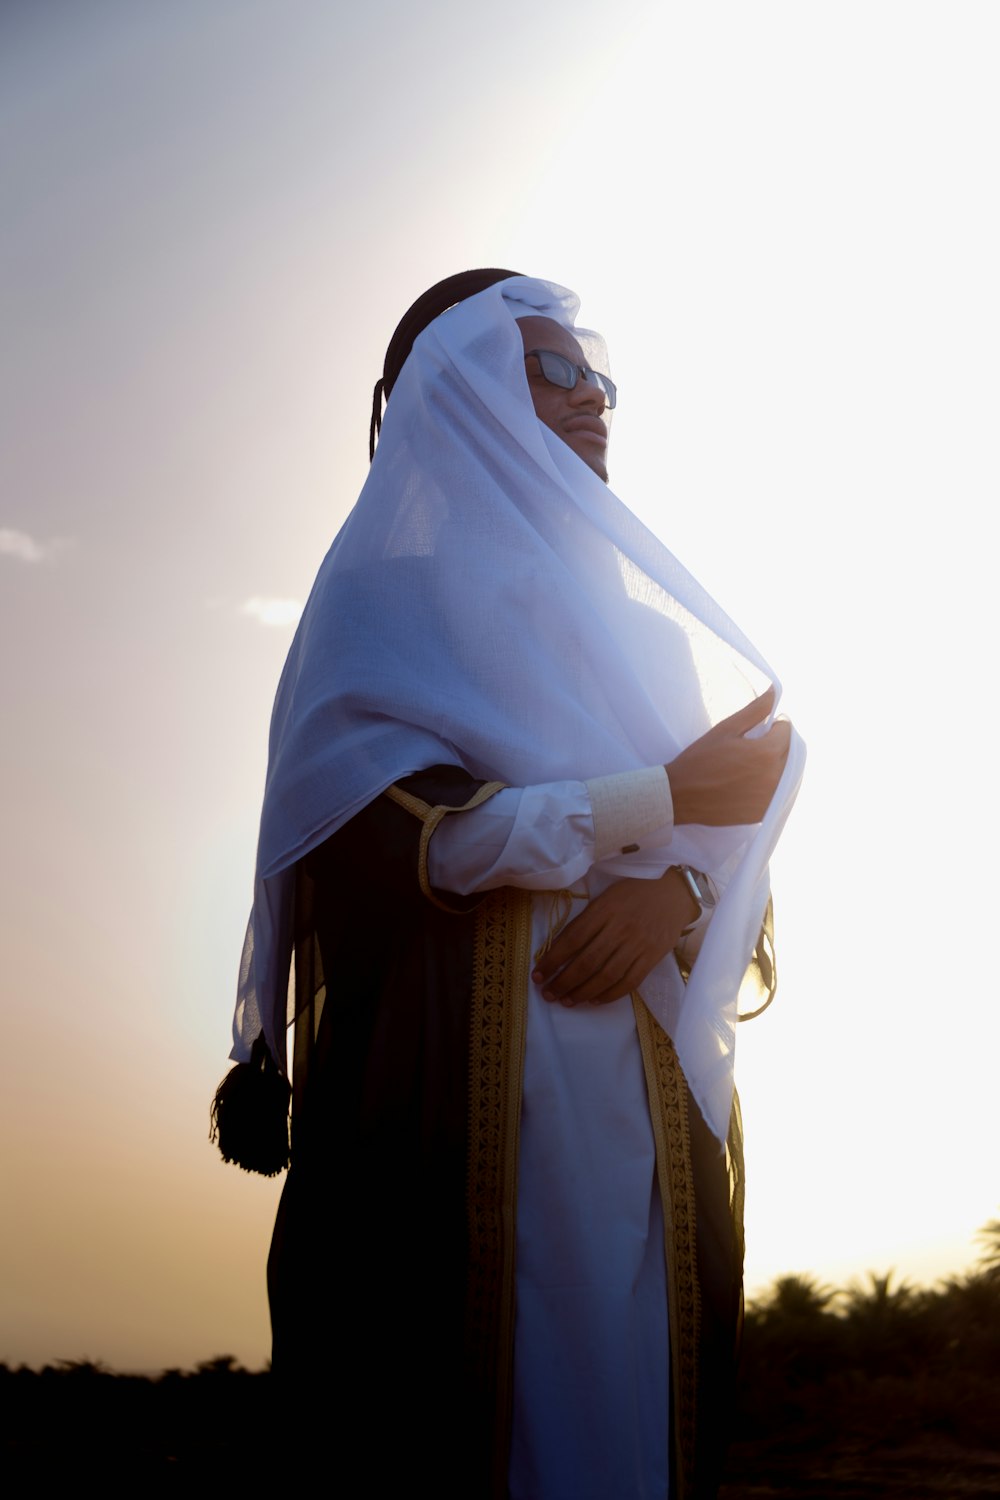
[783, 217]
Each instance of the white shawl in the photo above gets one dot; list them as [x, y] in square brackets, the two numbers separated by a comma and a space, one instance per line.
[491, 603]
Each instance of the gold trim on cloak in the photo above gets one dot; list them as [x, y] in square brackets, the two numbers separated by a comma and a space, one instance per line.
[498, 1026]
[496, 1059]
[667, 1093]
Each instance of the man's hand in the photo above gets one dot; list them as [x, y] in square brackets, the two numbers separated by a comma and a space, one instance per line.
[616, 941]
[725, 779]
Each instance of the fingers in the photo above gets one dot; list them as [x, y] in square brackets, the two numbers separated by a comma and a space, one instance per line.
[754, 712]
[726, 777]
[571, 939]
[586, 961]
[611, 947]
[592, 979]
[772, 751]
[572, 958]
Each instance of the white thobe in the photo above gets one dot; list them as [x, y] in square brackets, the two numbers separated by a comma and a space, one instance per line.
[591, 1347]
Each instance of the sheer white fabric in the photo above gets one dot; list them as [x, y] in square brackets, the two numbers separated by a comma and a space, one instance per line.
[491, 603]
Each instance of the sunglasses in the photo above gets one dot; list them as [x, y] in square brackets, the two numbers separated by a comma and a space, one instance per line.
[562, 372]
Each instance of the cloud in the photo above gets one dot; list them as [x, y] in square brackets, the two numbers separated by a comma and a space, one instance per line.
[19, 544]
[272, 611]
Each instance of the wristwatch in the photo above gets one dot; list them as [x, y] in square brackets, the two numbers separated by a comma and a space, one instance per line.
[702, 888]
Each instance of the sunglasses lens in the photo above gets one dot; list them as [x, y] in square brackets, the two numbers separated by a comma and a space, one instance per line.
[557, 371]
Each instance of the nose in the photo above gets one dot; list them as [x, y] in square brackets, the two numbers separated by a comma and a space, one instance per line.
[588, 395]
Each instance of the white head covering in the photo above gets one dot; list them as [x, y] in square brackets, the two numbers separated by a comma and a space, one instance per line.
[490, 603]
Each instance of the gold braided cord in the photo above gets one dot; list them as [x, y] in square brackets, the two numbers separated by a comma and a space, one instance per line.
[760, 982]
[414, 805]
[431, 818]
[737, 1176]
[560, 906]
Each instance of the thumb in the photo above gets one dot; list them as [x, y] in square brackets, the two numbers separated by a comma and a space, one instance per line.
[754, 712]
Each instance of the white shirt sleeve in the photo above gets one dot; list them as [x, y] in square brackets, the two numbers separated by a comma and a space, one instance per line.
[543, 838]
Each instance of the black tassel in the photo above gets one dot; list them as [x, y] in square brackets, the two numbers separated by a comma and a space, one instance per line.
[250, 1114]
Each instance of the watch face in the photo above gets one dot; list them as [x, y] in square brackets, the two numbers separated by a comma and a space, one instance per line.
[702, 887]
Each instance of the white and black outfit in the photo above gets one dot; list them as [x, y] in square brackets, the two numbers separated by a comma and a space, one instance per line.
[483, 1184]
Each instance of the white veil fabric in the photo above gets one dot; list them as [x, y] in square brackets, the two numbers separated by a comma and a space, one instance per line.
[490, 603]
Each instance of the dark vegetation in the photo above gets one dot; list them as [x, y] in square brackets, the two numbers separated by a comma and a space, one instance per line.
[876, 1390]
[879, 1389]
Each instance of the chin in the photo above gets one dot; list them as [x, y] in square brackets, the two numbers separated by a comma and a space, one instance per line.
[594, 457]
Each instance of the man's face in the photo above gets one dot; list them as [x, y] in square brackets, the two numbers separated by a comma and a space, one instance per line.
[574, 415]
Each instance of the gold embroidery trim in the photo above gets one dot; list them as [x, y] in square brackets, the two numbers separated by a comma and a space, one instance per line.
[498, 1024]
[668, 1110]
[431, 817]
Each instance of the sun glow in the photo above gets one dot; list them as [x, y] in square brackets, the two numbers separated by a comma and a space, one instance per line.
[775, 213]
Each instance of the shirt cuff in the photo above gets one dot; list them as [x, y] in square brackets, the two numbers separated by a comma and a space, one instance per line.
[628, 808]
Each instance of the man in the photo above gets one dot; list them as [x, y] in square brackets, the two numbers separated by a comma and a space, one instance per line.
[511, 803]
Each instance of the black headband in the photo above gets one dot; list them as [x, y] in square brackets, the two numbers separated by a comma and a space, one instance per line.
[436, 300]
